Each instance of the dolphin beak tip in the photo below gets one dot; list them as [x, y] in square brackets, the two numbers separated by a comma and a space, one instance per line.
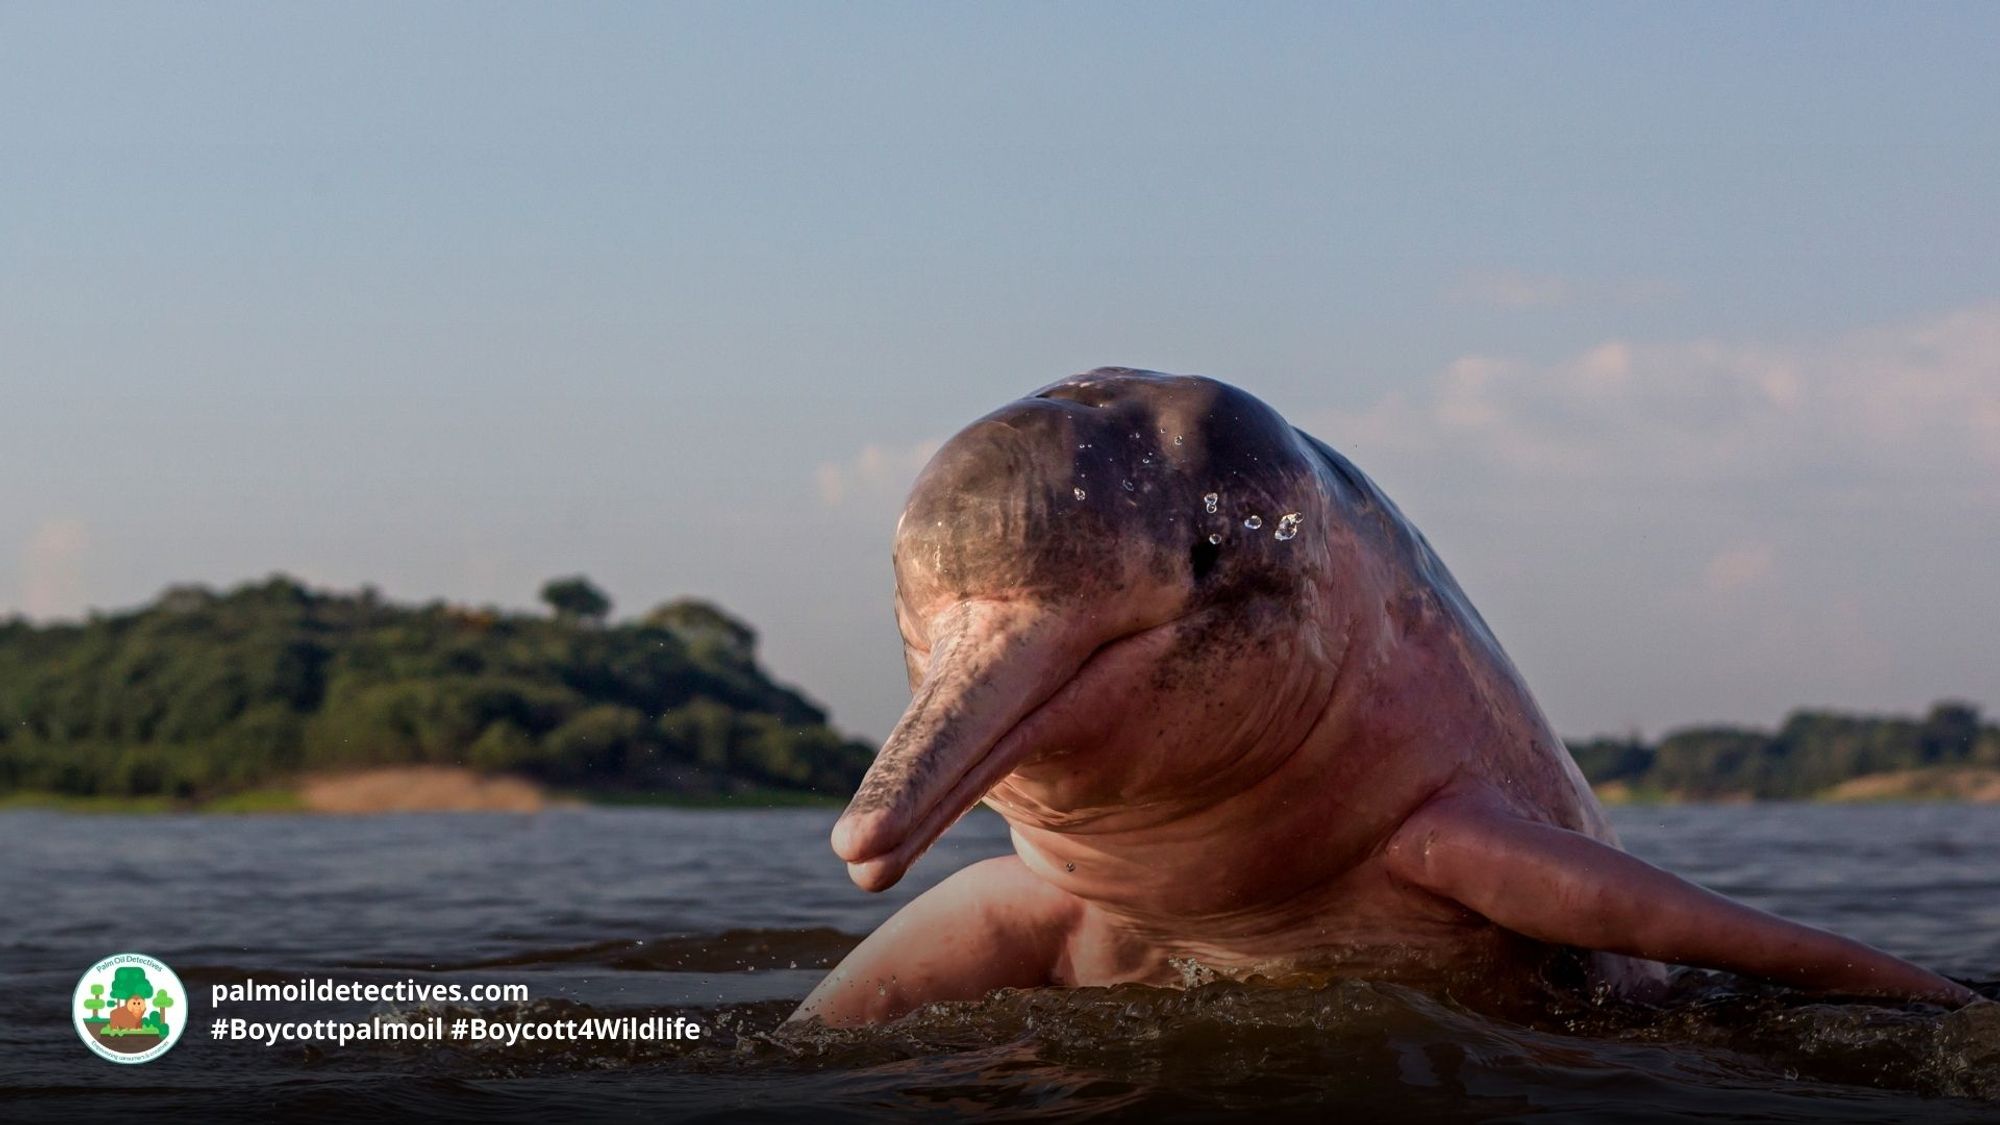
[875, 876]
[867, 841]
[859, 836]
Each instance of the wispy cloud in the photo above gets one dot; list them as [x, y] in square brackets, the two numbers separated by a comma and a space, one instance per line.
[52, 569]
[876, 473]
[1912, 405]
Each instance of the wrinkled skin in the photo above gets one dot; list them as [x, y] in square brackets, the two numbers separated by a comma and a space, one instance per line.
[1288, 749]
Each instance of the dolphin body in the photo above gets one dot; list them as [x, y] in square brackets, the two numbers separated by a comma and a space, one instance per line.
[1237, 713]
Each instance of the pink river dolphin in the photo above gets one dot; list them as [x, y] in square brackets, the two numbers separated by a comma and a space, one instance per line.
[1239, 717]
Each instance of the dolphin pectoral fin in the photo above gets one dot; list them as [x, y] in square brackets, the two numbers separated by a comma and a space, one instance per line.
[1565, 888]
[992, 925]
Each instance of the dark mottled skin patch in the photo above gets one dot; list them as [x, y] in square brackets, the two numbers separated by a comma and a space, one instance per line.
[997, 508]
[1200, 643]
[1202, 557]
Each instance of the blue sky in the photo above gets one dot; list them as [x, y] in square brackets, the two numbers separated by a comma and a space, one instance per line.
[1676, 328]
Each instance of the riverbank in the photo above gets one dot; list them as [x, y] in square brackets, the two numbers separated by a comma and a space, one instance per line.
[1954, 784]
[401, 789]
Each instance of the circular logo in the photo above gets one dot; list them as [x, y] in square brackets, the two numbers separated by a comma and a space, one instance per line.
[130, 1008]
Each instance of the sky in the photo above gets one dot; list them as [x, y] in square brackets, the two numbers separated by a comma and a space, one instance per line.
[1676, 328]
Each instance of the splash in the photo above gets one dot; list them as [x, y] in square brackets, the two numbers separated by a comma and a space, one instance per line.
[1248, 1046]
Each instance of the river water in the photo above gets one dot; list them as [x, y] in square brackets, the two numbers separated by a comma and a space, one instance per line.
[729, 917]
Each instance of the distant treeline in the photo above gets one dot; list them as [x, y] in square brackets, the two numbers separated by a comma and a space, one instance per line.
[203, 693]
[1813, 751]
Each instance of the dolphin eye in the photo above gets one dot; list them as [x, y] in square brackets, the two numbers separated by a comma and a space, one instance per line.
[1202, 557]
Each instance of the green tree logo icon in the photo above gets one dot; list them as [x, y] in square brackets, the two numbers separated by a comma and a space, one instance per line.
[130, 990]
[162, 1000]
[96, 1004]
[124, 1008]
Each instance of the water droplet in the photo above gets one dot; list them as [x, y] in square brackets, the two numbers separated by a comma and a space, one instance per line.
[1214, 537]
[1209, 501]
[1254, 522]
[1177, 439]
[1289, 525]
[1079, 494]
[1069, 867]
[1128, 486]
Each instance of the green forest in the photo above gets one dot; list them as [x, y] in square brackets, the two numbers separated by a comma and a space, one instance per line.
[1810, 753]
[204, 693]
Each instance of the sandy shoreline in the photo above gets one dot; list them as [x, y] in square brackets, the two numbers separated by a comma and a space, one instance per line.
[1957, 784]
[421, 789]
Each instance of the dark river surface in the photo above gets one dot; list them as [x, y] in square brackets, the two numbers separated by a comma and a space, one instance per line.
[729, 917]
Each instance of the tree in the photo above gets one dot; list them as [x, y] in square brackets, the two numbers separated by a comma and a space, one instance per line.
[700, 622]
[96, 1003]
[1950, 732]
[162, 1000]
[1612, 759]
[599, 741]
[130, 981]
[576, 599]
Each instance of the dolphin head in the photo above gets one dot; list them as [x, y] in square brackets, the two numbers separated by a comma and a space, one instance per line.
[1086, 580]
